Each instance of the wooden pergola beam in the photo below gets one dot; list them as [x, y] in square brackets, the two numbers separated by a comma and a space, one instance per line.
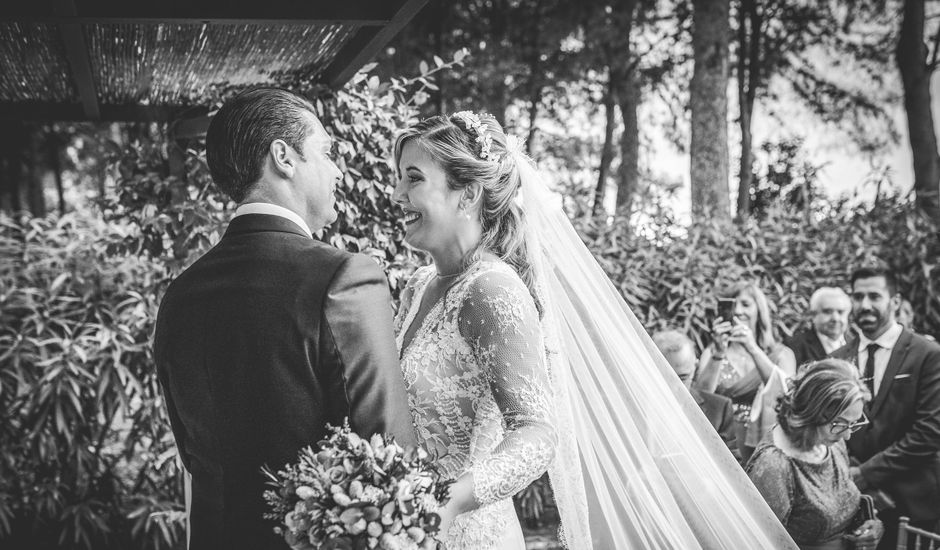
[367, 42]
[43, 112]
[279, 12]
[375, 23]
[76, 52]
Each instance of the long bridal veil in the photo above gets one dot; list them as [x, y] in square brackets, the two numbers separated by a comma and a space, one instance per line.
[634, 444]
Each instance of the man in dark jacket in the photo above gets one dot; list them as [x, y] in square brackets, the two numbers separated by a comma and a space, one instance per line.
[271, 335]
[898, 452]
[680, 353]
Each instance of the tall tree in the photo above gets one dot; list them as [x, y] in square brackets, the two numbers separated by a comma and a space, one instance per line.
[749, 33]
[709, 106]
[608, 30]
[833, 55]
[911, 56]
[628, 173]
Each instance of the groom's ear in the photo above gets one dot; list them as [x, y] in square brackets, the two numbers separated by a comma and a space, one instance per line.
[283, 162]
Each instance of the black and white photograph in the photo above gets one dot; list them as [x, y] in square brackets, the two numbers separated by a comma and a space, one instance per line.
[470, 275]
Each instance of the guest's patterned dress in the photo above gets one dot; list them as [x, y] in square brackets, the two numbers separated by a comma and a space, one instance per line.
[816, 502]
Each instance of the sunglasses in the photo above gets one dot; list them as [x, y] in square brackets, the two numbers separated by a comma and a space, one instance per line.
[839, 427]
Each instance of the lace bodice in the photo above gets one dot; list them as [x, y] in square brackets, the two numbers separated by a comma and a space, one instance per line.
[479, 390]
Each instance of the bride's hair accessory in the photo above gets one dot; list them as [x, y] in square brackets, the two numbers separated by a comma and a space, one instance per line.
[474, 125]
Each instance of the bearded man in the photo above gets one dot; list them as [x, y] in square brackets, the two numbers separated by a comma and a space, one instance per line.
[898, 452]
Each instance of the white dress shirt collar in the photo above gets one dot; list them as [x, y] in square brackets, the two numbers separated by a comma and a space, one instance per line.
[273, 210]
[830, 344]
[887, 340]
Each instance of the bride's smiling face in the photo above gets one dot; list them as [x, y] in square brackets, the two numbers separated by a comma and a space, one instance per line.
[430, 206]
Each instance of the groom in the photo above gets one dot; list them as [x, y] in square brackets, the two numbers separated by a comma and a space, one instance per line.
[272, 334]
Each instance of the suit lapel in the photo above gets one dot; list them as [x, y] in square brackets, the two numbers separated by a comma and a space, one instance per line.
[848, 352]
[815, 345]
[898, 353]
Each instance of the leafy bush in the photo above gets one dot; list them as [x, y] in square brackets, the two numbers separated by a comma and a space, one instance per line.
[670, 281]
[87, 456]
[181, 215]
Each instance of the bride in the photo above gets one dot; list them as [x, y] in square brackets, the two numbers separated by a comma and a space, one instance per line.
[521, 357]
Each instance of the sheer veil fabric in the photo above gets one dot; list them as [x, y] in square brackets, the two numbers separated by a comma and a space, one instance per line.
[633, 443]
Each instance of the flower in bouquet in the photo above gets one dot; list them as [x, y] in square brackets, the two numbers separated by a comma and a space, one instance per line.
[357, 494]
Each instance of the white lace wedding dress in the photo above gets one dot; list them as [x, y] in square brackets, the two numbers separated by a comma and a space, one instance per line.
[479, 393]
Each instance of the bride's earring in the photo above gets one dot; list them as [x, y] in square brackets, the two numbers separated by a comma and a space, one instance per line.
[464, 211]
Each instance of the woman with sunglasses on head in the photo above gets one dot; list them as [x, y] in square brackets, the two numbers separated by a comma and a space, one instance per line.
[801, 466]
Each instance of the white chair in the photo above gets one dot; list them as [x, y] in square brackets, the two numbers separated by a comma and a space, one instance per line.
[918, 538]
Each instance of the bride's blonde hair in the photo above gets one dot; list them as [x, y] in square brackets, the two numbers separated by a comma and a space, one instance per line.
[479, 154]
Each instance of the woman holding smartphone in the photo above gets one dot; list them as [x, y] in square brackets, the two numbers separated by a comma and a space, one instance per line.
[746, 363]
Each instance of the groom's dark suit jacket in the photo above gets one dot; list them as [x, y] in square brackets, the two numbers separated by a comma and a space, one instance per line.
[259, 344]
[899, 450]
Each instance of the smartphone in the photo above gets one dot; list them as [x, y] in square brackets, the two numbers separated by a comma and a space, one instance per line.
[710, 314]
[726, 309]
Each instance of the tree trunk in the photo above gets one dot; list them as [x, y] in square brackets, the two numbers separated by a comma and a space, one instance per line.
[534, 102]
[628, 175]
[11, 165]
[536, 81]
[911, 57]
[439, 20]
[35, 171]
[53, 145]
[709, 102]
[607, 152]
[748, 78]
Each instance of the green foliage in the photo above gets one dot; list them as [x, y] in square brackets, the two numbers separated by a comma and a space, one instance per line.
[535, 504]
[87, 450]
[670, 280]
[179, 215]
[786, 177]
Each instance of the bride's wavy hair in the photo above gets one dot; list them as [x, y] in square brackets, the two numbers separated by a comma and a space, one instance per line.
[818, 394]
[454, 146]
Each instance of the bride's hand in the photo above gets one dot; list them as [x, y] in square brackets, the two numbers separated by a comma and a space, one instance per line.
[461, 501]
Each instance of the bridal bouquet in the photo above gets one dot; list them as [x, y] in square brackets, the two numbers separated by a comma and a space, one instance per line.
[356, 494]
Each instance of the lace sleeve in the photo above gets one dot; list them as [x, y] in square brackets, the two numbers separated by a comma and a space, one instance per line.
[405, 298]
[499, 320]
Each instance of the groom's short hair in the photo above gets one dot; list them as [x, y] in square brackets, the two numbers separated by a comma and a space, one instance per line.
[241, 133]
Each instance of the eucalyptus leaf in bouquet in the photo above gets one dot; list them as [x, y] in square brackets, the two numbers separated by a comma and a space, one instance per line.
[356, 494]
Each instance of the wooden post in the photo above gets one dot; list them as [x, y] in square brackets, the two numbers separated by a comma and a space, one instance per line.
[902, 533]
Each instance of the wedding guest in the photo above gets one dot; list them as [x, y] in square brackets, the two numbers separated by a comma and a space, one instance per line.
[905, 318]
[680, 353]
[747, 364]
[899, 452]
[905, 314]
[829, 308]
[802, 467]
